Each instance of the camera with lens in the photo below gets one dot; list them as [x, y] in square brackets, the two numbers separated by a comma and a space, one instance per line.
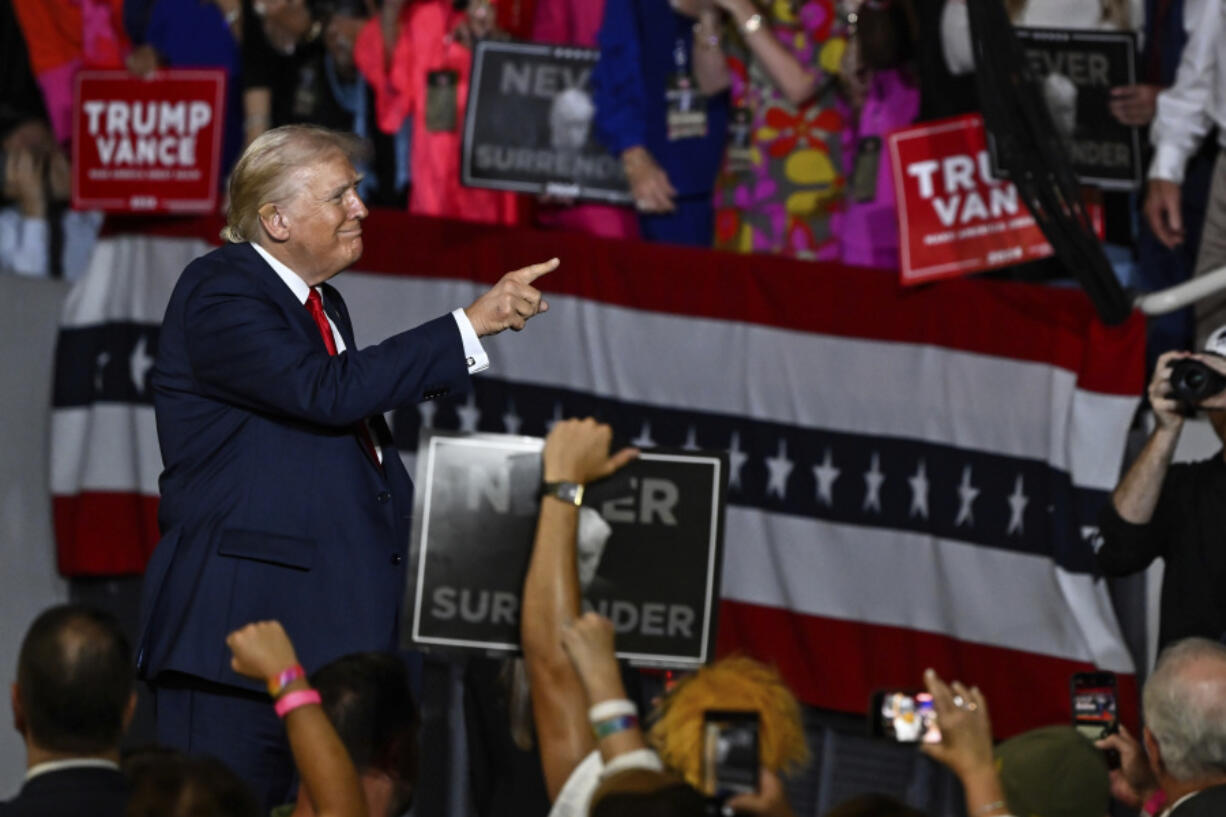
[1192, 382]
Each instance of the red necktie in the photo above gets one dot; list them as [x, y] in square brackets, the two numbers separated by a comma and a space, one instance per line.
[315, 305]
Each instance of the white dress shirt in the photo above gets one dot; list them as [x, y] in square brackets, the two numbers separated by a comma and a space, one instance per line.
[575, 798]
[71, 763]
[1167, 811]
[1197, 100]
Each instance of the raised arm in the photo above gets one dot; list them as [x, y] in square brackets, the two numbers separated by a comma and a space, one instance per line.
[795, 81]
[966, 744]
[263, 651]
[589, 643]
[575, 451]
[1136, 497]
[242, 349]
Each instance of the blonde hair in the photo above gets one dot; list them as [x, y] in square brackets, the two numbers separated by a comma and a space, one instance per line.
[265, 172]
[736, 682]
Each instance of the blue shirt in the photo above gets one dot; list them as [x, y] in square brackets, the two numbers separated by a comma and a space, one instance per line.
[641, 43]
[192, 34]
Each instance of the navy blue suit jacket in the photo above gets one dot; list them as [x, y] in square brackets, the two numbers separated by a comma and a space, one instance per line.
[271, 507]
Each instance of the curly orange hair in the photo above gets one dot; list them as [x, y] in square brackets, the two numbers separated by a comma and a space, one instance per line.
[736, 682]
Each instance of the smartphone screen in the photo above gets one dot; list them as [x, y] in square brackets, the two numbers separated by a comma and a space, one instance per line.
[730, 752]
[904, 716]
[1094, 704]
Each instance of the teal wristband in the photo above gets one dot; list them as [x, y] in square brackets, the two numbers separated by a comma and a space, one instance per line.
[611, 726]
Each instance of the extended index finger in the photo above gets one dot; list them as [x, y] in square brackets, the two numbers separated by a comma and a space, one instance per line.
[942, 696]
[527, 275]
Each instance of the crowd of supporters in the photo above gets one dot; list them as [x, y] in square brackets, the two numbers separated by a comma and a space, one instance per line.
[796, 96]
[811, 87]
[352, 725]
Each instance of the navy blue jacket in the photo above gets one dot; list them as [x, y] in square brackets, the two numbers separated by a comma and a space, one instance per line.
[637, 39]
[271, 506]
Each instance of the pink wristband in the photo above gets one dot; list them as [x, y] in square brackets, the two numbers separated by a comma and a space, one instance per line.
[292, 700]
[1154, 805]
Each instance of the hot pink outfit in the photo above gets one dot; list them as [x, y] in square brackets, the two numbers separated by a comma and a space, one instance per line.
[424, 45]
[868, 231]
[63, 37]
[575, 22]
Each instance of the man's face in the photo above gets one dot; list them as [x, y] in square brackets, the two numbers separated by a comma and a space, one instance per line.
[325, 219]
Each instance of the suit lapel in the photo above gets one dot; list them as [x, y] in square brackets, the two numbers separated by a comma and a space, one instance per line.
[334, 305]
[300, 316]
[247, 258]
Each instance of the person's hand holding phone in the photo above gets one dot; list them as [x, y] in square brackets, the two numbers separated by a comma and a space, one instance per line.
[1133, 782]
[966, 732]
[966, 743]
[770, 800]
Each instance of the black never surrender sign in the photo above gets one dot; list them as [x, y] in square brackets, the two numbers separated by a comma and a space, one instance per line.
[1076, 71]
[528, 124]
[650, 547]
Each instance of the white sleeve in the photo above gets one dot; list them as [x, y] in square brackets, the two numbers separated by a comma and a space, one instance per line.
[956, 38]
[1184, 113]
[80, 235]
[474, 352]
[23, 243]
[576, 795]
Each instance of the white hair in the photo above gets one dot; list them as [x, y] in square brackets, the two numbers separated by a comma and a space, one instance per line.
[1185, 708]
[570, 116]
[1060, 94]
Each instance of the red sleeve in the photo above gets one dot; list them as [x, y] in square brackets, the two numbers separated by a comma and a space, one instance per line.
[394, 89]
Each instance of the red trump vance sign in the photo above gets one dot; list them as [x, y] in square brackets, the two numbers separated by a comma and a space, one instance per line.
[148, 145]
[954, 217]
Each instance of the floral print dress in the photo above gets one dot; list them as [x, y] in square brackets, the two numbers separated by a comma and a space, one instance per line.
[777, 193]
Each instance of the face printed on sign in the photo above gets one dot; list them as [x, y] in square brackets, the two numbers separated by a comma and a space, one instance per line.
[570, 119]
[1060, 94]
[593, 534]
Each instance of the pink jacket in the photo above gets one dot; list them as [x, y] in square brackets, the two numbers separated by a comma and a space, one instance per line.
[575, 22]
[425, 45]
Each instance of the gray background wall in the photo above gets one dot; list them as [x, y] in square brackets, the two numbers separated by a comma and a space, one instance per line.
[29, 312]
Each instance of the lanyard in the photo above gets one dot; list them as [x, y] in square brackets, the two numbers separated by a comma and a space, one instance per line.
[681, 57]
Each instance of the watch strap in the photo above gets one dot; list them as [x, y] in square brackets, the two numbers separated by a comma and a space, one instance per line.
[571, 492]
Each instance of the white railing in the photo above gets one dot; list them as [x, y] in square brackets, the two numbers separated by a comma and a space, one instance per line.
[1181, 295]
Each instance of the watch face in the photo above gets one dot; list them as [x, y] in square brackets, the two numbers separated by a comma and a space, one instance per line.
[566, 491]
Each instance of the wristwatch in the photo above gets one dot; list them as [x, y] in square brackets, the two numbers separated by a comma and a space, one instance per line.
[571, 492]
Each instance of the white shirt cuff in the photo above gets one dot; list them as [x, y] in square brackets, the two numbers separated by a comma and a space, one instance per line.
[1167, 164]
[474, 353]
[634, 759]
[30, 257]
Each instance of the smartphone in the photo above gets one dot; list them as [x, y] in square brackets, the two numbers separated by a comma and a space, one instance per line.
[1095, 712]
[905, 716]
[730, 759]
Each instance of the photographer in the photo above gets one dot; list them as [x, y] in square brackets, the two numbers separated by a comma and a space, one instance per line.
[1175, 511]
